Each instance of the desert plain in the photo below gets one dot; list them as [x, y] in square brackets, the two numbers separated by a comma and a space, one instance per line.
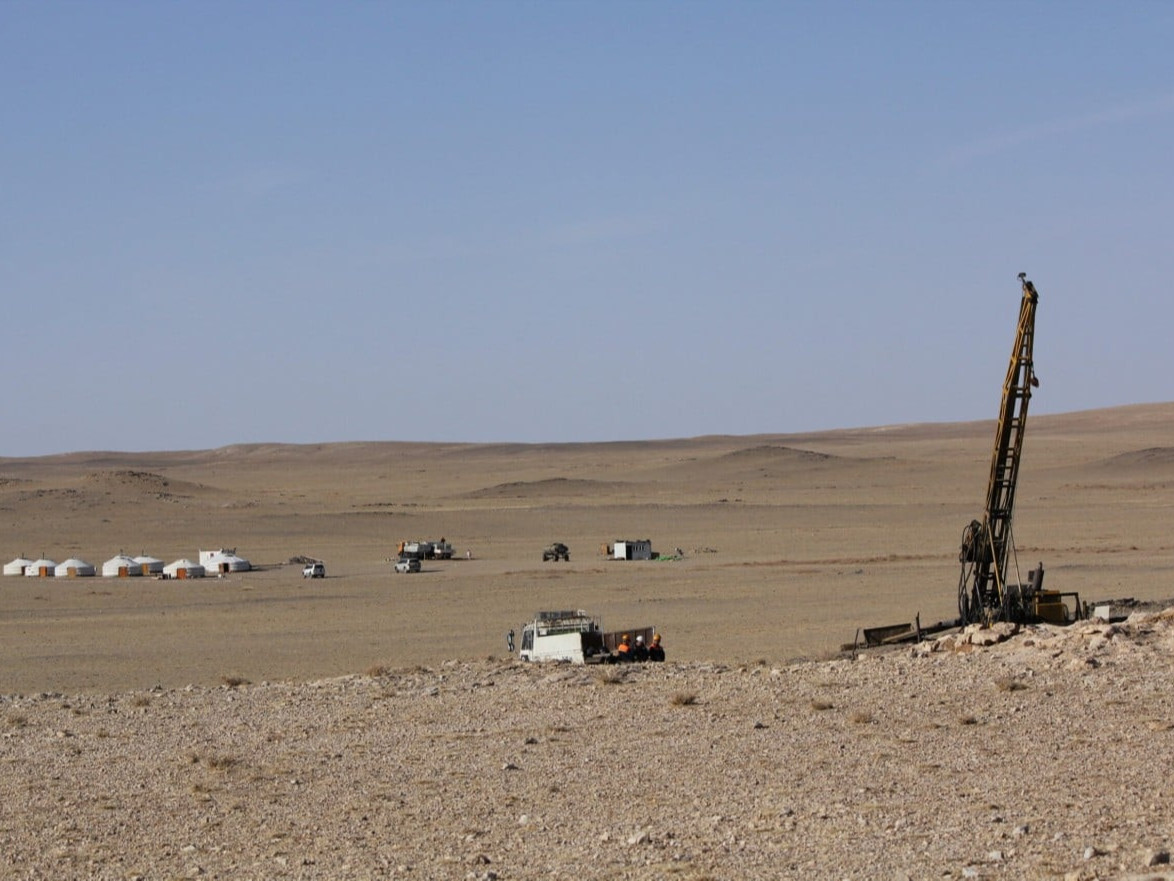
[372, 724]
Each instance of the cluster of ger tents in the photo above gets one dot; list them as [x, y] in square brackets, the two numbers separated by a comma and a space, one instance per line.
[121, 565]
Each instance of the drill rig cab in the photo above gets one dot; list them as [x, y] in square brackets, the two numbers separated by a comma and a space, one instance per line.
[984, 592]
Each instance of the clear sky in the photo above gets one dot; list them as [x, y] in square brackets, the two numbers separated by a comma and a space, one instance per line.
[573, 221]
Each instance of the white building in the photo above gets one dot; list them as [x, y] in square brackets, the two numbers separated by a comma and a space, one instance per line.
[121, 566]
[74, 568]
[632, 549]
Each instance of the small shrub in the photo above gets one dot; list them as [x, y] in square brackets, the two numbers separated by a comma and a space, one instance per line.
[17, 721]
[1008, 683]
[822, 705]
[377, 671]
[140, 700]
[967, 720]
[234, 681]
[684, 699]
[862, 717]
[218, 762]
[221, 762]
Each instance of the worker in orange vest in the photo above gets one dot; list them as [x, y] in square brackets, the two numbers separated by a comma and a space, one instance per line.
[624, 650]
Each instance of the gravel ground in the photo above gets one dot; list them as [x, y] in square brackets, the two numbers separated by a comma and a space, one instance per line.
[1045, 755]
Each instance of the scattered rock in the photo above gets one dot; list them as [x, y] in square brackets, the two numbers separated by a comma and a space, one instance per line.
[1155, 858]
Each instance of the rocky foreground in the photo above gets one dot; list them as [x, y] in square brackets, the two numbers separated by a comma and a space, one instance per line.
[1045, 755]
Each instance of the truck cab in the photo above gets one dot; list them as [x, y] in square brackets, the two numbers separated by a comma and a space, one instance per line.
[571, 636]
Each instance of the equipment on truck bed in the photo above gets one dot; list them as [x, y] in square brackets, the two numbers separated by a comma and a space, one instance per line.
[984, 593]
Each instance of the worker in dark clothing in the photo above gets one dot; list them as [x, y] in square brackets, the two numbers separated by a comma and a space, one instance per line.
[656, 650]
[639, 650]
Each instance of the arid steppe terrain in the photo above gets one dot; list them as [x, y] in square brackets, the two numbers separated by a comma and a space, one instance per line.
[371, 724]
[790, 543]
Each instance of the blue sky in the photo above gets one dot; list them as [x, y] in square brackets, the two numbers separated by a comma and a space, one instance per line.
[564, 221]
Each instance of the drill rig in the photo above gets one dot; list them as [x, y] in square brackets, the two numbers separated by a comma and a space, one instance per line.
[984, 593]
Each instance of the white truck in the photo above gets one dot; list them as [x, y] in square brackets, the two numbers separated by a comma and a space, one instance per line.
[416, 550]
[426, 550]
[573, 636]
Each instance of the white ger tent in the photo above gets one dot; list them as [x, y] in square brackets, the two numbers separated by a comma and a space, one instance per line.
[223, 561]
[183, 569]
[149, 565]
[121, 566]
[74, 568]
[17, 566]
[42, 568]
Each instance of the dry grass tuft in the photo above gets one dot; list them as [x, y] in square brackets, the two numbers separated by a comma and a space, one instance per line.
[17, 720]
[377, 671]
[140, 700]
[609, 677]
[967, 720]
[822, 705]
[234, 681]
[862, 717]
[683, 699]
[216, 761]
[1009, 683]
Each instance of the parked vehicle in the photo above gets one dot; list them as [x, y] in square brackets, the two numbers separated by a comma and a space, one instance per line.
[407, 564]
[417, 550]
[573, 636]
[314, 570]
[557, 551]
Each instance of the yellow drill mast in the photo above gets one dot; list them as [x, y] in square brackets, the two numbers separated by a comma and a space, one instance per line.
[983, 592]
